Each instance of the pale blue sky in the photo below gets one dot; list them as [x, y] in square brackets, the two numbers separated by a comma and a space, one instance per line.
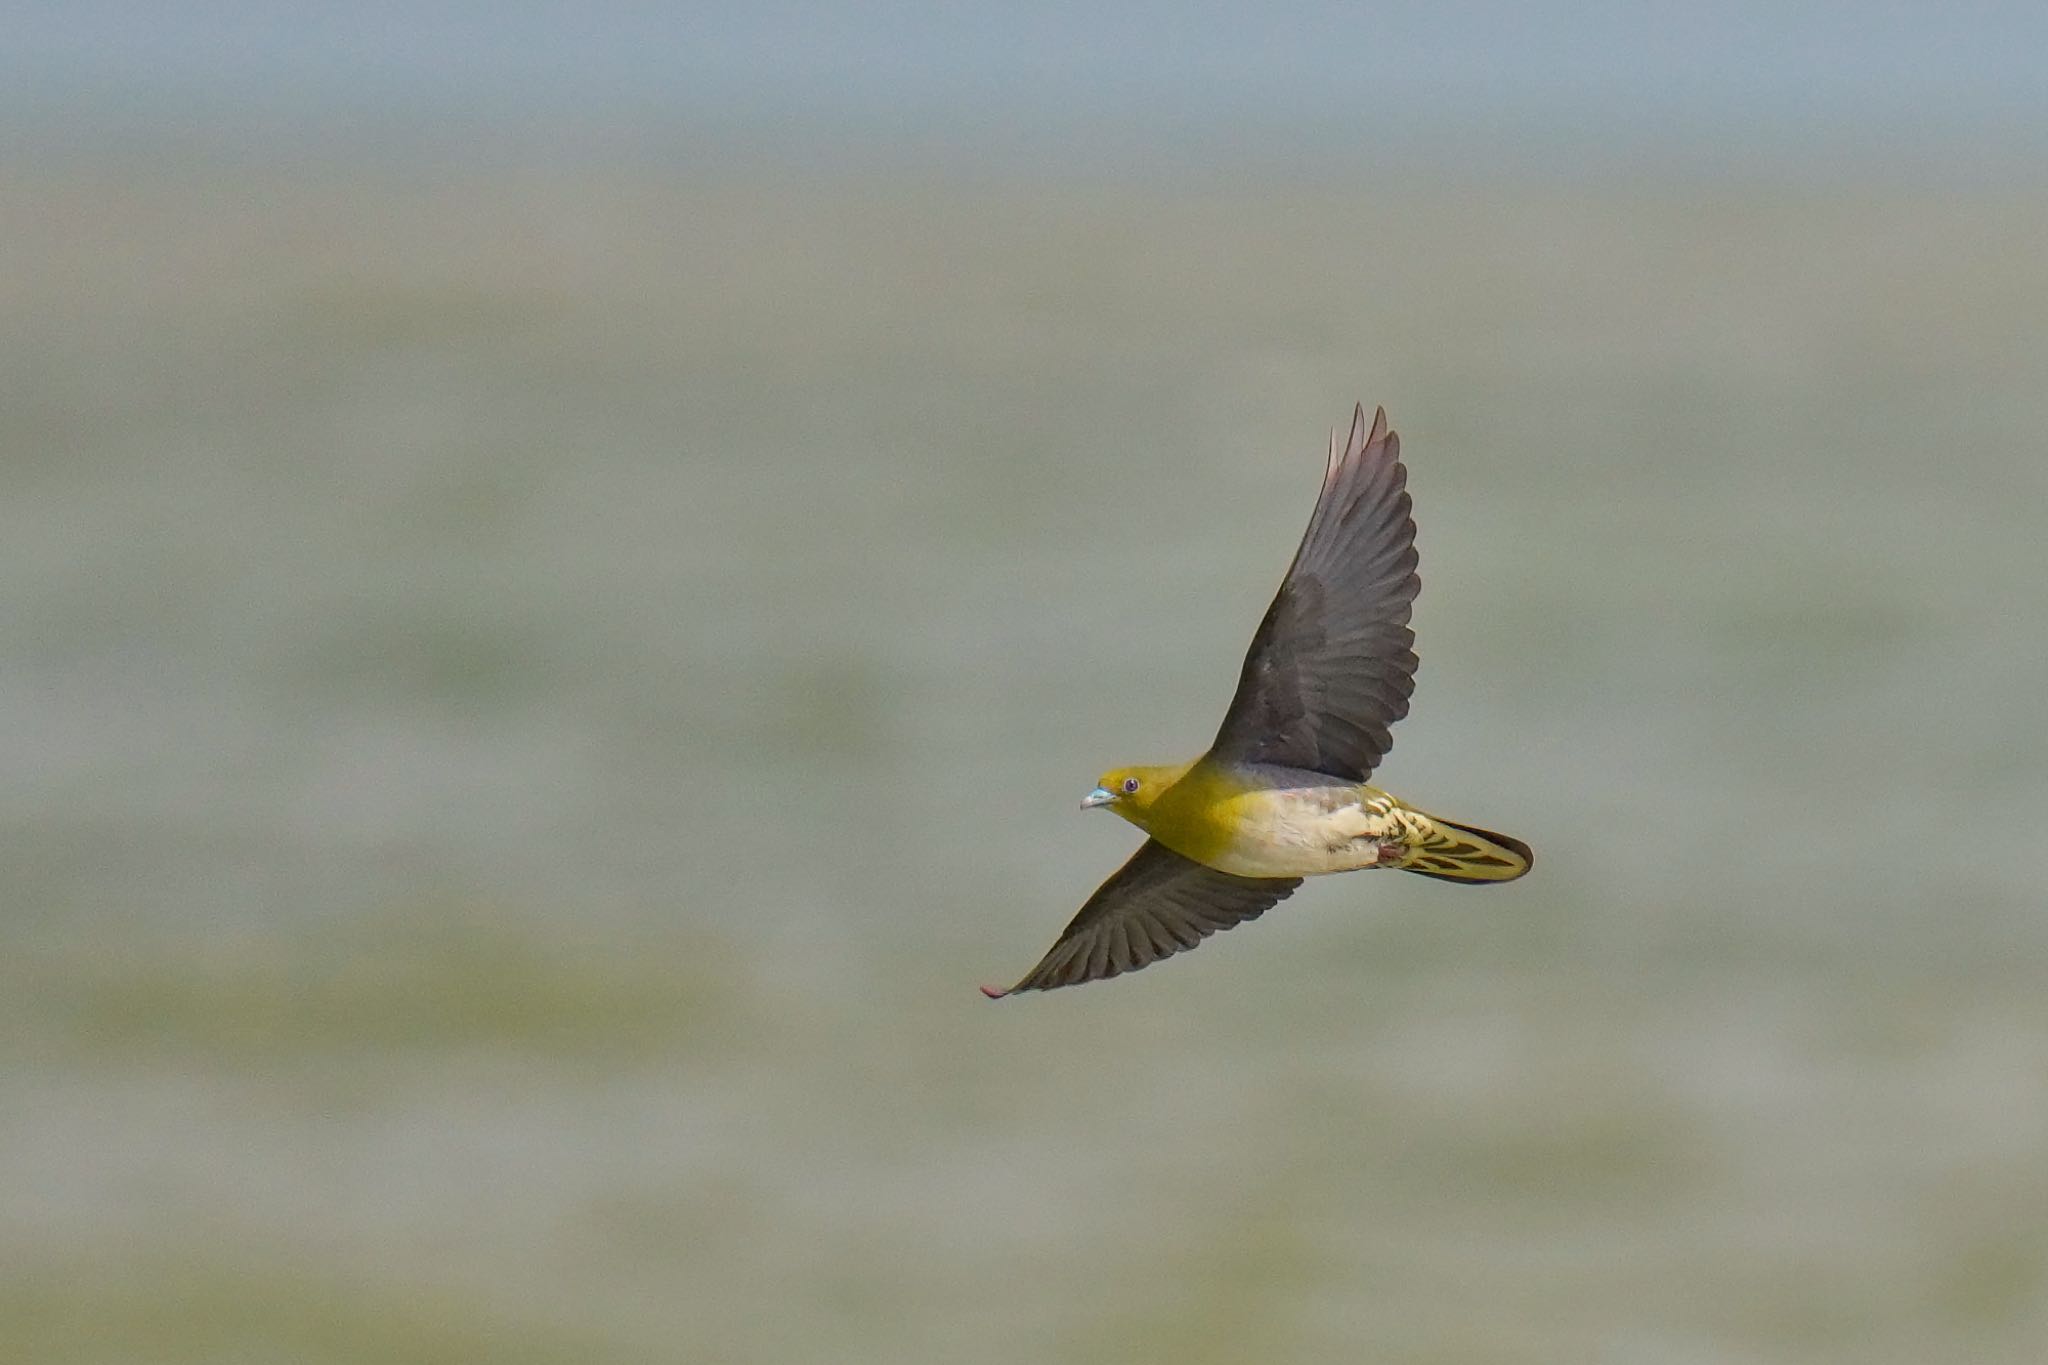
[1962, 79]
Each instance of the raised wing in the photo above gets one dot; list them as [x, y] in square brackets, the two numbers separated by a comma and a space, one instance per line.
[1333, 663]
[1156, 905]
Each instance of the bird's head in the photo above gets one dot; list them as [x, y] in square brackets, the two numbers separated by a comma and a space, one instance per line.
[1130, 792]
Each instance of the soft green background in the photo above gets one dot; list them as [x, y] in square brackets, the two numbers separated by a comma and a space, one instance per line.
[534, 697]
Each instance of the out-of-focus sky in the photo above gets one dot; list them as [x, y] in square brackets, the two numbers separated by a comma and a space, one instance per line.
[540, 676]
[1943, 87]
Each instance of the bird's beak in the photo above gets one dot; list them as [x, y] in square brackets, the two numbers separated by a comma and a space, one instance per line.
[1101, 796]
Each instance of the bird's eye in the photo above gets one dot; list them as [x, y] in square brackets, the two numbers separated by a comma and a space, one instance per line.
[1130, 785]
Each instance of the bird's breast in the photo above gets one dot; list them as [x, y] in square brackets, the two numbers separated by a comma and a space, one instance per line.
[1298, 831]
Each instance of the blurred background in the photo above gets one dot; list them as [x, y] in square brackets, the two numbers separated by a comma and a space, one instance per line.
[566, 567]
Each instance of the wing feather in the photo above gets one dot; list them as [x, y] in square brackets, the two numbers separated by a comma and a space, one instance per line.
[1157, 904]
[1332, 665]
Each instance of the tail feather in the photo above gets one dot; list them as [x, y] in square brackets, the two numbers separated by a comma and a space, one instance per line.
[1460, 853]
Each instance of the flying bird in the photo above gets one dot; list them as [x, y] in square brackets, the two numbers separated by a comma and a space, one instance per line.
[1282, 793]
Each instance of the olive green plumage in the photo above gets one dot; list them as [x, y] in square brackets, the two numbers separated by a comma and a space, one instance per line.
[1281, 794]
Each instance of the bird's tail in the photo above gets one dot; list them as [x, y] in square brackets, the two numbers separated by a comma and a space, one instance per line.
[1460, 853]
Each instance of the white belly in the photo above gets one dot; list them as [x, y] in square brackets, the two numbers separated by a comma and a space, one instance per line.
[1309, 833]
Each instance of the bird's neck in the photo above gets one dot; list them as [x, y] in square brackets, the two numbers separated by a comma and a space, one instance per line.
[1181, 790]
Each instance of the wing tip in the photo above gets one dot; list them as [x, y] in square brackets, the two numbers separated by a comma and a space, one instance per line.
[1364, 435]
